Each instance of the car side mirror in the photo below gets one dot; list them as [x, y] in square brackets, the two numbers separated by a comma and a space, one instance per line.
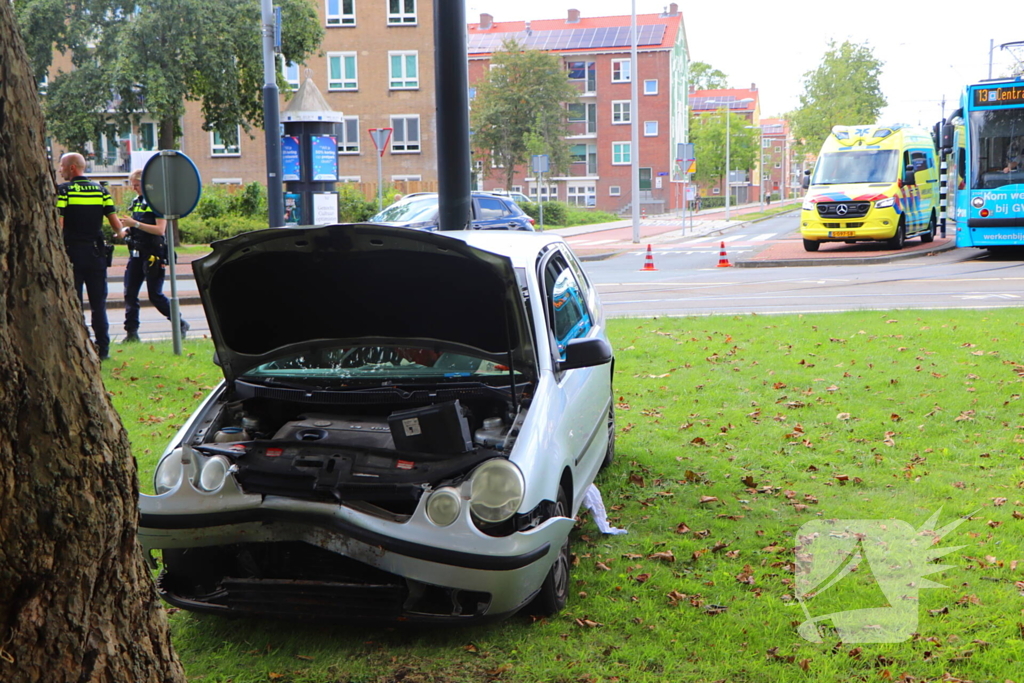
[585, 353]
[807, 179]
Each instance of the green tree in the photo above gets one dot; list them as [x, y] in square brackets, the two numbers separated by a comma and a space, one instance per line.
[519, 109]
[705, 77]
[707, 133]
[843, 90]
[135, 57]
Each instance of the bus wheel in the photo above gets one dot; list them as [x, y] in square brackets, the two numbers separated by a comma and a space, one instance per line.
[930, 235]
[899, 238]
[811, 245]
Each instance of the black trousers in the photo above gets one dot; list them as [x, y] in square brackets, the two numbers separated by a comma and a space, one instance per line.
[139, 269]
[95, 281]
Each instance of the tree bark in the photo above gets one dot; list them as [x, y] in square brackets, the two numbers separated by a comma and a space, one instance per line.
[77, 602]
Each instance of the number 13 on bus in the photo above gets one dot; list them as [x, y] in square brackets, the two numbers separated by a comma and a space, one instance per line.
[983, 142]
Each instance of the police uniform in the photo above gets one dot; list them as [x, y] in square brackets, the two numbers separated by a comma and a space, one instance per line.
[84, 204]
[146, 261]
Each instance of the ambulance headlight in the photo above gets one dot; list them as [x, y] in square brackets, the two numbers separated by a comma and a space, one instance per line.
[444, 506]
[496, 491]
[808, 205]
[885, 203]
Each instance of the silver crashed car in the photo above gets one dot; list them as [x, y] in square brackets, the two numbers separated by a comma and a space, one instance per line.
[407, 425]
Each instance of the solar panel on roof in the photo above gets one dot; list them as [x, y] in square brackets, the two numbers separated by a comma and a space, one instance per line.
[564, 39]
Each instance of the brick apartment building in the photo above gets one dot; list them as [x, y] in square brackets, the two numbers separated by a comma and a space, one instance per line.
[596, 55]
[776, 164]
[746, 183]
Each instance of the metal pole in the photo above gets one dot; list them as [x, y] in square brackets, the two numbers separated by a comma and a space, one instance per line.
[172, 227]
[634, 142]
[727, 164]
[271, 119]
[380, 182]
[991, 46]
[451, 95]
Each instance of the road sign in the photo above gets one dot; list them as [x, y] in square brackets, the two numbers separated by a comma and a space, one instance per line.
[171, 184]
[540, 163]
[380, 138]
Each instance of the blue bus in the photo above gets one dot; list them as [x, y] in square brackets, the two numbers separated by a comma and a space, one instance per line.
[983, 141]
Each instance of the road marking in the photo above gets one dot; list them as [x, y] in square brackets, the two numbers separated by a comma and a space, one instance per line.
[763, 237]
[596, 242]
[987, 296]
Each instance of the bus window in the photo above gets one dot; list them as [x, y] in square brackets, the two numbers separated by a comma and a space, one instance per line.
[993, 132]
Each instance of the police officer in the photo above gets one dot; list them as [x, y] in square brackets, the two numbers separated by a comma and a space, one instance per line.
[147, 256]
[82, 205]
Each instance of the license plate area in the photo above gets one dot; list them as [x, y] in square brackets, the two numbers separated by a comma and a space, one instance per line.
[842, 233]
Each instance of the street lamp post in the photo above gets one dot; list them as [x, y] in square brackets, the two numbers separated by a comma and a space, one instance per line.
[728, 110]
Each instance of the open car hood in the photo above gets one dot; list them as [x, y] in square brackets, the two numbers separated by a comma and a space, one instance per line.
[272, 292]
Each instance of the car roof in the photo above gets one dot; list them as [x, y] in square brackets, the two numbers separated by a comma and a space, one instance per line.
[521, 247]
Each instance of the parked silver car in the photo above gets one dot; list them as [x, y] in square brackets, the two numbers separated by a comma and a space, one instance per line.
[407, 425]
[490, 212]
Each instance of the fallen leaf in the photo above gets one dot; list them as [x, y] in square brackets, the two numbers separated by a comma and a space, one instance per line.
[666, 556]
[708, 499]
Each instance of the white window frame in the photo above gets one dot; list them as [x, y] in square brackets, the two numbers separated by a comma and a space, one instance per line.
[766, 143]
[403, 17]
[614, 190]
[716, 190]
[140, 147]
[404, 81]
[406, 178]
[622, 70]
[405, 146]
[350, 179]
[585, 191]
[345, 146]
[778, 164]
[650, 129]
[286, 69]
[622, 112]
[651, 86]
[778, 150]
[339, 17]
[628, 153]
[343, 84]
[222, 150]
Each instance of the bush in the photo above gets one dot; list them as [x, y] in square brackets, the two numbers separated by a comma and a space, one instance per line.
[555, 213]
[251, 202]
[352, 206]
[196, 230]
[215, 201]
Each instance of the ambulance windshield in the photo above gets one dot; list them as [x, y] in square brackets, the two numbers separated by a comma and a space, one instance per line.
[860, 166]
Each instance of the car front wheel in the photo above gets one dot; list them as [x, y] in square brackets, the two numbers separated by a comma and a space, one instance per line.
[930, 235]
[900, 238]
[811, 245]
[554, 592]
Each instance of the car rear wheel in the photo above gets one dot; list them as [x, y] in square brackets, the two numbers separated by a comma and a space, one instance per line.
[609, 453]
[811, 245]
[930, 235]
[900, 238]
[554, 592]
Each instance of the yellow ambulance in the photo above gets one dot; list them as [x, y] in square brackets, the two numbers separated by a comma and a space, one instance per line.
[872, 183]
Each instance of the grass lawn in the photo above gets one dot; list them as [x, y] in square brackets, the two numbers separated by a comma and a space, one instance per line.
[733, 433]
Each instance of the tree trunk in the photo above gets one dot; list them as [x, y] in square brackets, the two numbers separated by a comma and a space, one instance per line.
[168, 139]
[77, 602]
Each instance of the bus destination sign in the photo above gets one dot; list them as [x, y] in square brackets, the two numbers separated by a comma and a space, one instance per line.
[987, 97]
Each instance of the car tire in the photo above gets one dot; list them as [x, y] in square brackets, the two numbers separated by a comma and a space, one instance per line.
[609, 453]
[900, 238]
[554, 592]
[811, 245]
[930, 235]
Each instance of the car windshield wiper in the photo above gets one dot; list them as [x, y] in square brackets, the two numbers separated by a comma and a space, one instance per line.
[283, 383]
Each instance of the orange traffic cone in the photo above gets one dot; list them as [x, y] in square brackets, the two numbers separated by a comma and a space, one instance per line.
[723, 260]
[643, 214]
[649, 260]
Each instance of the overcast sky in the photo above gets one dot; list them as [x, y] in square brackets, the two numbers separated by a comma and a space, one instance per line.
[772, 44]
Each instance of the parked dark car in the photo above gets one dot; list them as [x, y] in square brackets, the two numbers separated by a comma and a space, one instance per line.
[490, 212]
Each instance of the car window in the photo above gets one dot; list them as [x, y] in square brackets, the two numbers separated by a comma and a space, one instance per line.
[569, 317]
[409, 210]
[491, 208]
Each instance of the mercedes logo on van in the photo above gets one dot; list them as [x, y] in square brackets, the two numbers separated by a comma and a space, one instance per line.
[842, 210]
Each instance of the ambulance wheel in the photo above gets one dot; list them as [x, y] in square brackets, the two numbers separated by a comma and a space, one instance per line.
[930, 235]
[900, 238]
[811, 245]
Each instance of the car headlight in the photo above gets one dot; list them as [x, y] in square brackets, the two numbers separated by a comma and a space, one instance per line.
[496, 491]
[443, 506]
[885, 203]
[168, 473]
[807, 206]
[215, 471]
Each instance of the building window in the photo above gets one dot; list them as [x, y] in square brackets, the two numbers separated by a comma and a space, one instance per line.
[290, 71]
[406, 178]
[341, 12]
[404, 71]
[651, 86]
[348, 135]
[621, 71]
[584, 112]
[620, 154]
[406, 135]
[342, 71]
[765, 144]
[592, 159]
[401, 12]
[614, 191]
[585, 73]
[620, 112]
[43, 85]
[650, 128]
[545, 192]
[581, 194]
[219, 149]
[350, 179]
[715, 190]
[147, 137]
[778, 164]
[578, 154]
[778, 150]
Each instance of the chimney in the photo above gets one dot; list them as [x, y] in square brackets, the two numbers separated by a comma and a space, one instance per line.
[486, 22]
[673, 9]
[753, 86]
[574, 16]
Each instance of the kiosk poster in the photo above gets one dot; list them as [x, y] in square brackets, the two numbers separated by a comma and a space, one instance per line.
[325, 208]
[291, 166]
[324, 152]
[292, 208]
